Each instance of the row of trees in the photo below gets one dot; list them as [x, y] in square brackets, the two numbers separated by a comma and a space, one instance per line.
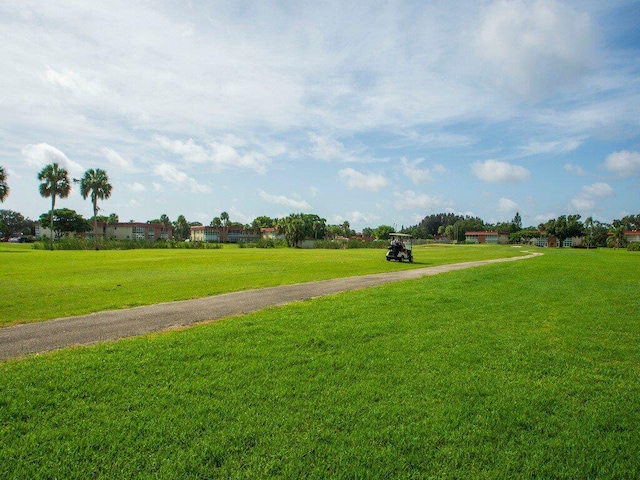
[595, 233]
[55, 183]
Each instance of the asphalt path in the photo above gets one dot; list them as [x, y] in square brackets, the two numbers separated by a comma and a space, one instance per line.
[23, 340]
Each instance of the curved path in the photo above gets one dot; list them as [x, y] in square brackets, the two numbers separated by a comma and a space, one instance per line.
[41, 337]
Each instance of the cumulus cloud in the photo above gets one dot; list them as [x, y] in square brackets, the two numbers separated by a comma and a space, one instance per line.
[116, 159]
[325, 148]
[575, 170]
[172, 175]
[365, 181]
[417, 175]
[624, 163]
[41, 154]
[135, 187]
[411, 200]
[534, 48]
[493, 171]
[219, 154]
[587, 200]
[283, 200]
[507, 206]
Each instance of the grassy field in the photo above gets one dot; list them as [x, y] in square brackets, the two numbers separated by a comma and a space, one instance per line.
[40, 285]
[519, 370]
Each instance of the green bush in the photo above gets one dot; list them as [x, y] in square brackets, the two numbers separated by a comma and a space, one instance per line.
[634, 247]
[264, 243]
[128, 244]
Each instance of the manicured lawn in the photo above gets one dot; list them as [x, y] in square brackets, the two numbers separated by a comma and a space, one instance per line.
[39, 285]
[518, 370]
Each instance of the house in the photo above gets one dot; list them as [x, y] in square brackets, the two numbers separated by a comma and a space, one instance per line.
[632, 235]
[120, 231]
[232, 234]
[499, 238]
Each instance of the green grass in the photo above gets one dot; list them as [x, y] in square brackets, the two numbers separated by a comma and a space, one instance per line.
[39, 285]
[518, 370]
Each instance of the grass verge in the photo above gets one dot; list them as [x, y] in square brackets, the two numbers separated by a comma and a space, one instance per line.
[528, 369]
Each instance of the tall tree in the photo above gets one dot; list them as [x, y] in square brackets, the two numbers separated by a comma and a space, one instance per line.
[11, 223]
[346, 228]
[164, 220]
[65, 221]
[95, 183]
[224, 216]
[517, 222]
[55, 183]
[617, 238]
[181, 228]
[4, 188]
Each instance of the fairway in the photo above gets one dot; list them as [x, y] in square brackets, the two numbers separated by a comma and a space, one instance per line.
[40, 285]
[523, 369]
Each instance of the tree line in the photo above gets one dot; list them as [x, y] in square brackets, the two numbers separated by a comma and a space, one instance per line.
[95, 185]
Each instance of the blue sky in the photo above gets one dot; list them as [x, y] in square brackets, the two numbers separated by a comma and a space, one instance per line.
[370, 112]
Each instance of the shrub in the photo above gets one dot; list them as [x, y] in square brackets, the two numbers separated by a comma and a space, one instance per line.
[128, 244]
[264, 243]
[634, 247]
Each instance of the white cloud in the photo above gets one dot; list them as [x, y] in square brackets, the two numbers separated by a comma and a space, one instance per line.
[545, 217]
[135, 187]
[325, 148]
[218, 154]
[493, 171]
[157, 187]
[42, 154]
[507, 206]
[365, 181]
[534, 48]
[624, 163]
[587, 200]
[72, 81]
[117, 159]
[417, 175]
[575, 170]
[412, 200]
[439, 168]
[535, 147]
[283, 200]
[314, 191]
[189, 150]
[172, 175]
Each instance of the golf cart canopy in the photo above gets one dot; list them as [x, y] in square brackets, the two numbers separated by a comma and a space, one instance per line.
[400, 235]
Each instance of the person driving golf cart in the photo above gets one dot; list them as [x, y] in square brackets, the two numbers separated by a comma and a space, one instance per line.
[398, 250]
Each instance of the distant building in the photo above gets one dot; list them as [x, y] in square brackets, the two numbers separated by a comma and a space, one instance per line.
[632, 235]
[496, 238]
[233, 234]
[120, 231]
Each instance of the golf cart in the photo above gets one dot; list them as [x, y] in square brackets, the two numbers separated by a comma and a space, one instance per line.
[400, 248]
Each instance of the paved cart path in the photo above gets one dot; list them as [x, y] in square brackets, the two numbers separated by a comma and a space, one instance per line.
[41, 337]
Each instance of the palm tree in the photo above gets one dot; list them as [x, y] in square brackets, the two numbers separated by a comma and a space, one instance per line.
[224, 217]
[55, 183]
[95, 183]
[4, 188]
[617, 238]
[346, 227]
